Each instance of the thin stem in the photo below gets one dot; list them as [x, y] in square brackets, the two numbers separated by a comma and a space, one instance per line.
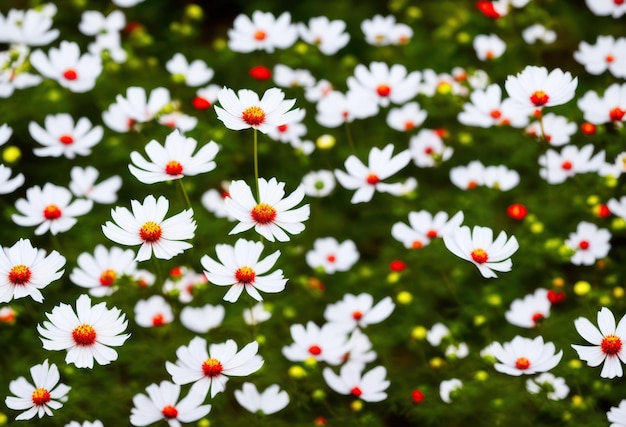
[543, 131]
[253, 322]
[159, 275]
[349, 136]
[256, 166]
[182, 189]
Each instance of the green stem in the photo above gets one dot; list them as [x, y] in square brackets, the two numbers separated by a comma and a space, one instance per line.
[182, 189]
[349, 137]
[159, 275]
[251, 302]
[256, 166]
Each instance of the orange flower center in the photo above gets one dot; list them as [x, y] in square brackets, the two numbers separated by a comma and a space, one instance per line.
[107, 278]
[417, 244]
[356, 391]
[611, 345]
[51, 212]
[253, 116]
[616, 114]
[471, 185]
[84, 335]
[357, 315]
[409, 125]
[383, 90]
[490, 55]
[522, 363]
[212, 367]
[583, 244]
[539, 98]
[169, 412]
[495, 114]
[263, 213]
[19, 274]
[260, 35]
[40, 396]
[245, 275]
[70, 74]
[158, 320]
[173, 168]
[66, 139]
[315, 350]
[150, 232]
[609, 58]
[372, 179]
[479, 256]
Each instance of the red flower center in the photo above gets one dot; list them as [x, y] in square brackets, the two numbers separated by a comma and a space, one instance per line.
[245, 275]
[383, 90]
[522, 363]
[431, 234]
[495, 114]
[356, 391]
[372, 179]
[107, 278]
[588, 128]
[537, 317]
[260, 35]
[472, 184]
[282, 128]
[263, 213]
[583, 244]
[253, 116]
[19, 274]
[616, 114]
[158, 320]
[611, 345]
[70, 74]
[428, 150]
[417, 244]
[51, 212]
[567, 165]
[150, 232]
[66, 139]
[618, 2]
[315, 350]
[539, 98]
[169, 412]
[173, 168]
[212, 367]
[200, 103]
[40, 396]
[84, 335]
[609, 58]
[331, 258]
[479, 256]
[357, 315]
[409, 125]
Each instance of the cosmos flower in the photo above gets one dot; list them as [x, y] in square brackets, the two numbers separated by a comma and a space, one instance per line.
[607, 343]
[557, 167]
[478, 247]
[555, 386]
[487, 109]
[488, 46]
[194, 73]
[147, 226]
[525, 356]
[202, 319]
[369, 386]
[100, 272]
[589, 243]
[256, 314]
[610, 108]
[428, 150]
[136, 107]
[617, 415]
[336, 108]
[270, 401]
[63, 137]
[538, 32]
[535, 87]
[272, 216]
[384, 84]
[327, 343]
[319, 183]
[38, 399]
[7, 184]
[87, 334]
[30, 27]
[608, 53]
[358, 311]
[263, 31]
[384, 30]
[423, 227]
[330, 256]
[448, 387]
[288, 77]
[93, 22]
[468, 177]
[329, 36]
[153, 312]
[407, 117]
[83, 184]
[614, 8]
[555, 130]
[530, 310]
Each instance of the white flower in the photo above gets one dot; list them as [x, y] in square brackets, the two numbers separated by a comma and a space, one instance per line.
[99, 272]
[556, 130]
[611, 108]
[369, 386]
[162, 403]
[447, 387]
[479, 248]
[137, 107]
[241, 269]
[359, 350]
[331, 256]
[147, 226]
[617, 415]
[535, 87]
[328, 36]
[608, 53]
[468, 177]
[177, 120]
[538, 32]
[437, 333]
[555, 386]
[615, 8]
[83, 184]
[525, 356]
[269, 402]
[423, 227]
[607, 343]
[530, 310]
[93, 22]
[127, 3]
[589, 243]
[153, 312]
[210, 370]
[383, 31]
[618, 207]
[184, 286]
[487, 109]
[63, 137]
[87, 334]
[174, 160]
[407, 117]
[488, 46]
[49, 208]
[336, 108]
[202, 319]
[31, 27]
[38, 399]
[256, 314]
[263, 32]
[214, 201]
[369, 179]
[319, 183]
[206, 97]
[500, 177]
[557, 167]
[428, 150]
[327, 344]
[96, 423]
[285, 76]
[272, 216]
[8, 184]
[358, 311]
[385, 84]
[194, 73]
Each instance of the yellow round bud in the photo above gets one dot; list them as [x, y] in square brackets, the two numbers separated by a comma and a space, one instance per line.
[318, 395]
[419, 333]
[260, 339]
[414, 12]
[54, 95]
[578, 401]
[289, 312]
[618, 292]
[179, 78]
[575, 364]
[325, 142]
[479, 320]
[436, 363]
[558, 282]
[310, 362]
[393, 277]
[193, 11]
[565, 251]
[610, 181]
[297, 372]
[494, 299]
[465, 138]
[593, 200]
[618, 224]
[204, 423]
[219, 44]
[444, 88]
[604, 300]
[301, 48]
[404, 297]
[11, 154]
[356, 405]
[481, 376]
[463, 37]
[536, 228]
[582, 287]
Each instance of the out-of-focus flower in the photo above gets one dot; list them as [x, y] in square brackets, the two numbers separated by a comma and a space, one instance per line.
[428, 149]
[270, 401]
[487, 109]
[332, 256]
[369, 386]
[437, 333]
[423, 227]
[384, 30]
[263, 32]
[479, 248]
[194, 73]
[256, 314]
[215, 201]
[468, 177]
[617, 415]
[557, 167]
[136, 107]
[206, 97]
[209, 370]
[329, 36]
[87, 334]
[447, 387]
[63, 137]
[162, 403]
[30, 27]
[385, 84]
[147, 226]
[538, 32]
[177, 120]
[327, 344]
[407, 117]
[202, 319]
[615, 8]
[608, 53]
[607, 343]
[95, 423]
[319, 183]
[153, 312]
[525, 356]
[589, 243]
[337, 108]
[554, 386]
[535, 87]
[556, 130]
[38, 399]
[272, 216]
[8, 184]
[285, 76]
[49, 208]
[93, 22]
[488, 46]
[611, 108]
[83, 184]
[100, 272]
[530, 310]
[358, 311]
[500, 178]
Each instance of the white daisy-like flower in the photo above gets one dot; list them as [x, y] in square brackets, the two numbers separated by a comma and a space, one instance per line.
[608, 53]
[270, 401]
[272, 216]
[49, 208]
[214, 201]
[194, 73]
[38, 399]
[63, 137]
[202, 319]
[478, 247]
[327, 343]
[5, 133]
[589, 243]
[500, 178]
[147, 226]
[610, 108]
[30, 27]
[557, 167]
[428, 150]
[329, 36]
[424, 227]
[607, 343]
[263, 31]
[525, 356]
[488, 46]
[244, 109]
[153, 312]
[331, 256]
[437, 333]
[93, 22]
[487, 109]
[448, 387]
[359, 349]
[384, 84]
[358, 311]
[618, 206]
[337, 108]
[407, 117]
[174, 160]
[614, 8]
[136, 107]
[468, 177]
[319, 183]
[554, 387]
[535, 87]
[8, 184]
[240, 268]
[178, 120]
[530, 310]
[87, 334]
[95, 423]
[617, 415]
[369, 386]
[206, 97]
[538, 32]
[556, 130]
[366, 180]
[285, 76]
[384, 30]
[161, 403]
[256, 314]
[83, 184]
[185, 285]
[100, 272]
[209, 370]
